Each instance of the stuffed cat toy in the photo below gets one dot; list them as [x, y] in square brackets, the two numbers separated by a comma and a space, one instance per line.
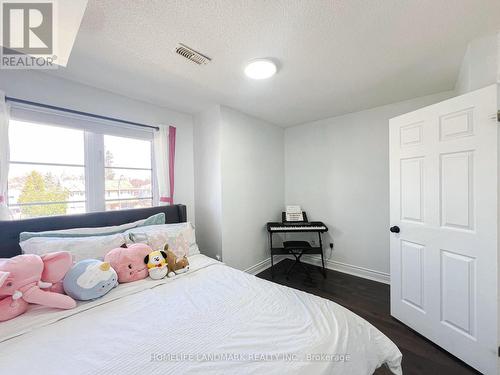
[90, 279]
[156, 261]
[176, 265]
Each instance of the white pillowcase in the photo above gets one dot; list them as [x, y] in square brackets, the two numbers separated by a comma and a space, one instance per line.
[180, 237]
[99, 231]
[80, 247]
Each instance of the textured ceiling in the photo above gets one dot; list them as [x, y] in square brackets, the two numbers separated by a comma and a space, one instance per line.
[335, 56]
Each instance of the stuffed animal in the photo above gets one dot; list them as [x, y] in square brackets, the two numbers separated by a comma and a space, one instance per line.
[156, 262]
[30, 278]
[90, 279]
[128, 262]
[176, 265]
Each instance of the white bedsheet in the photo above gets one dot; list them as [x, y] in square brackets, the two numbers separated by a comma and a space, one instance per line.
[213, 319]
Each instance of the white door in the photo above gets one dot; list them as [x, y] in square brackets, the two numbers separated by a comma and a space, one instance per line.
[444, 185]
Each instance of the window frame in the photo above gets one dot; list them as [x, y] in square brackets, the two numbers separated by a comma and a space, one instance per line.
[94, 131]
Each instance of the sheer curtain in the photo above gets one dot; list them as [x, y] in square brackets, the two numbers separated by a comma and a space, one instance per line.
[4, 157]
[164, 149]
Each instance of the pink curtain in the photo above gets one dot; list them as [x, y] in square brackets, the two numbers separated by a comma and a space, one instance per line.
[171, 164]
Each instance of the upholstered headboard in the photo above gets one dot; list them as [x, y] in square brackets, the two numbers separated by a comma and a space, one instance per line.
[10, 230]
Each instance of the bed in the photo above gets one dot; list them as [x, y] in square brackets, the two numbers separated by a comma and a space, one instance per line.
[212, 320]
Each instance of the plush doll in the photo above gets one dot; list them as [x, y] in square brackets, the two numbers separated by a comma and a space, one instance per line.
[30, 278]
[156, 262]
[90, 279]
[176, 265]
[128, 262]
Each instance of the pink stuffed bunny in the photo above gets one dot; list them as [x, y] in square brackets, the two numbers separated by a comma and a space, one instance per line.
[23, 278]
[128, 262]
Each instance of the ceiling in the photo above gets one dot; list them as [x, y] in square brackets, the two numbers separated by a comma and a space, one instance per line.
[335, 56]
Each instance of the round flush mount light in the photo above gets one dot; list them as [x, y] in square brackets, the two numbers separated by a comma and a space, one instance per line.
[260, 69]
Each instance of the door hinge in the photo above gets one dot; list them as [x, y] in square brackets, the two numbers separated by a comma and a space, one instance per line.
[498, 119]
[499, 351]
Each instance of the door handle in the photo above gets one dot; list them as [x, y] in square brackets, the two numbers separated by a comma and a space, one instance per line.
[395, 229]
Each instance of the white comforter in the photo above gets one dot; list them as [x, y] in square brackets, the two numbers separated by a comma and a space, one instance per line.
[213, 319]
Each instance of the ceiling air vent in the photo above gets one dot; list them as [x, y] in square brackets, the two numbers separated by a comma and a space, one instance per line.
[192, 55]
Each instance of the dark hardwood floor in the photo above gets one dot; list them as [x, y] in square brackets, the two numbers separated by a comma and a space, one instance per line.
[371, 300]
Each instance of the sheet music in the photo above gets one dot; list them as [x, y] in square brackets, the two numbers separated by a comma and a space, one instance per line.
[294, 213]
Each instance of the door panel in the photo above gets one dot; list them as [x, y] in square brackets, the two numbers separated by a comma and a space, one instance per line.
[444, 187]
[412, 189]
[457, 209]
[411, 135]
[412, 274]
[456, 125]
[458, 292]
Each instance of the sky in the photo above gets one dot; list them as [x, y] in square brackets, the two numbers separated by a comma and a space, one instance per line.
[49, 144]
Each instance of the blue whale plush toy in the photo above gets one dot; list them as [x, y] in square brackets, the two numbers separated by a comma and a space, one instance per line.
[89, 279]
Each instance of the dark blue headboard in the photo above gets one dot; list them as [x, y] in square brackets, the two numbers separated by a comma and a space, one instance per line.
[10, 230]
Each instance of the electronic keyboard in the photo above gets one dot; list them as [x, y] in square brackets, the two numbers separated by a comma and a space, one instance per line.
[313, 226]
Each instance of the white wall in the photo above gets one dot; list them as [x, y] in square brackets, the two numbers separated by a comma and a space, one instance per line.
[252, 186]
[47, 89]
[239, 184]
[207, 172]
[235, 154]
[481, 64]
[337, 169]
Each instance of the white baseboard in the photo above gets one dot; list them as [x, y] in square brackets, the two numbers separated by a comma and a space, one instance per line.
[259, 267]
[350, 269]
[264, 265]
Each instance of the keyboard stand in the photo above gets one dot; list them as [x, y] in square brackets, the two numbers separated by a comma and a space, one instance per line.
[284, 251]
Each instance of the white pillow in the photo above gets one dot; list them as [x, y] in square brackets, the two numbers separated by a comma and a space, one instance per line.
[80, 247]
[99, 231]
[180, 237]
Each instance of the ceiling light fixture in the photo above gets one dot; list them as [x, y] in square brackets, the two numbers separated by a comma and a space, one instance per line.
[260, 69]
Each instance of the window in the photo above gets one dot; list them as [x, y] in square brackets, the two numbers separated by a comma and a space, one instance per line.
[46, 176]
[68, 166]
[128, 173]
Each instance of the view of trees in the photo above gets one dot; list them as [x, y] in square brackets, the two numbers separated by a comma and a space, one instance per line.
[31, 191]
[38, 188]
[110, 175]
